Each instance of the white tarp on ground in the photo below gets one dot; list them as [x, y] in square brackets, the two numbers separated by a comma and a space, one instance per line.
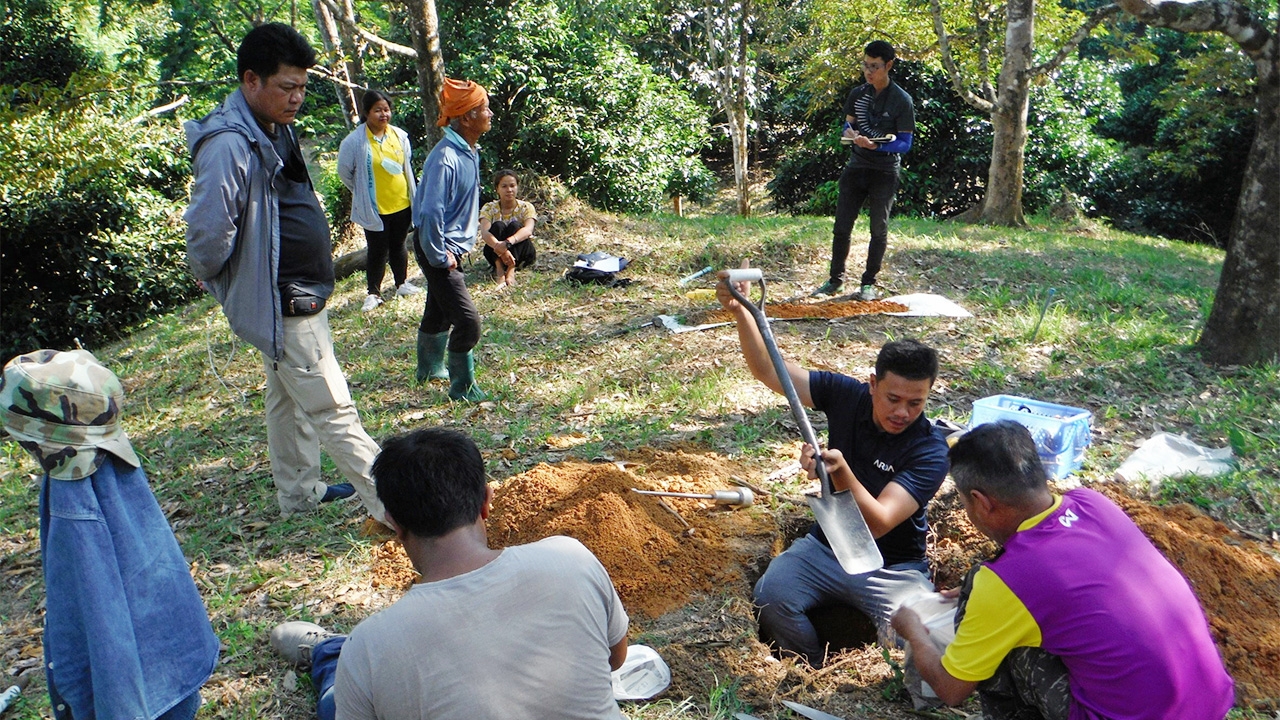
[928, 304]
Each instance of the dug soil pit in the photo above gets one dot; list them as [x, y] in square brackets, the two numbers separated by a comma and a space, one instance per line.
[688, 586]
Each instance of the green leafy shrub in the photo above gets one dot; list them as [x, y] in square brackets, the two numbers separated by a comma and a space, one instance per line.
[576, 104]
[93, 238]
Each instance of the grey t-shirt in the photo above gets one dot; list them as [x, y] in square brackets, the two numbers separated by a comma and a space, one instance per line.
[890, 111]
[525, 637]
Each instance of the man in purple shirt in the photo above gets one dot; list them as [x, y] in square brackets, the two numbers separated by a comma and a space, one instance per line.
[1078, 617]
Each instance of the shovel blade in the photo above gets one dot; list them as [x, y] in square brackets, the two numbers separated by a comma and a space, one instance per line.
[847, 532]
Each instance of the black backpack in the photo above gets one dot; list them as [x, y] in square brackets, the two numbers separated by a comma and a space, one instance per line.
[589, 270]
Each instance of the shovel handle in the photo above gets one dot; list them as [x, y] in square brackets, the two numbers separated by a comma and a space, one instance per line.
[779, 366]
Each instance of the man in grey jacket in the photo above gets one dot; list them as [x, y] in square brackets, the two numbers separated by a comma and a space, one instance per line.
[258, 240]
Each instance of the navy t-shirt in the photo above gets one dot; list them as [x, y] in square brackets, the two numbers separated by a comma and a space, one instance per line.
[890, 112]
[306, 255]
[916, 458]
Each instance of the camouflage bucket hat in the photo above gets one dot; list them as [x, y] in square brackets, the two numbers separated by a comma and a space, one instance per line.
[64, 407]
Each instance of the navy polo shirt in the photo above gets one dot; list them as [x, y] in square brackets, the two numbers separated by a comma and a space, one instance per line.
[916, 458]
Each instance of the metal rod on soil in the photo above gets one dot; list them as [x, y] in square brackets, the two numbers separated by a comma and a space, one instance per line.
[740, 497]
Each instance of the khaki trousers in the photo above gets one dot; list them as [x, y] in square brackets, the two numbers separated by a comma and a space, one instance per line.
[308, 407]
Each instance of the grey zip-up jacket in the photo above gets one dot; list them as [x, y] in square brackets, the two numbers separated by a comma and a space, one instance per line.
[233, 221]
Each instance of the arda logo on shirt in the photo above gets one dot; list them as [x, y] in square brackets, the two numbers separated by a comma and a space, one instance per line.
[884, 466]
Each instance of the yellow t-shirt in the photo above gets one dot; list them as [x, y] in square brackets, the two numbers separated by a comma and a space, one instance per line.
[391, 189]
[523, 211]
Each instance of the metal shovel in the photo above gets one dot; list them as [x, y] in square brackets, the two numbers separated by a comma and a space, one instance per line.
[836, 512]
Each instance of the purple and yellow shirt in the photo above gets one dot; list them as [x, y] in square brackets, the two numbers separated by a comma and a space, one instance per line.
[1081, 581]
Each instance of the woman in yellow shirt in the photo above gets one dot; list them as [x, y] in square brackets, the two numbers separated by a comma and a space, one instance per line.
[506, 226]
[374, 163]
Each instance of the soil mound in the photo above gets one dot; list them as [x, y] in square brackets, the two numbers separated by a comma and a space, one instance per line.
[659, 552]
[1238, 586]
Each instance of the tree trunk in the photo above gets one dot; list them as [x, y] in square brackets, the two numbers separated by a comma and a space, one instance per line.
[424, 25]
[332, 41]
[742, 143]
[1002, 203]
[354, 48]
[1244, 325]
[730, 70]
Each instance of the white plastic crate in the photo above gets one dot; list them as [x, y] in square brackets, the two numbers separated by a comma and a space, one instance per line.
[1061, 432]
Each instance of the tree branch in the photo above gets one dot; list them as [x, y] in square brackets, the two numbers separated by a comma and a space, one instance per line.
[1051, 66]
[346, 19]
[159, 110]
[1230, 18]
[944, 45]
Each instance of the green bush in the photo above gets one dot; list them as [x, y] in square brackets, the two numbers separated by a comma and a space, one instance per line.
[575, 104]
[93, 238]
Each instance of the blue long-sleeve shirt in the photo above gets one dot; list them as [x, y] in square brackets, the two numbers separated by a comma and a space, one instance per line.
[447, 202]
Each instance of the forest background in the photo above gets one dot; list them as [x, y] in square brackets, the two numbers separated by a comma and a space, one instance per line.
[627, 103]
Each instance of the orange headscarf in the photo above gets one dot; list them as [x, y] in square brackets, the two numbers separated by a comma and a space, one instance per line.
[457, 97]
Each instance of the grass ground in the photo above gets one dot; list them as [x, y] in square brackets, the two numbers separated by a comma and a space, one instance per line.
[561, 361]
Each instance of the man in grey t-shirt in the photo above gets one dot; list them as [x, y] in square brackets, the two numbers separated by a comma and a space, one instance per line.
[530, 631]
[879, 123]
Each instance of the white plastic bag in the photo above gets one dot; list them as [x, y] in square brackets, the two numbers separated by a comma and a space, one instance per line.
[643, 674]
[1164, 455]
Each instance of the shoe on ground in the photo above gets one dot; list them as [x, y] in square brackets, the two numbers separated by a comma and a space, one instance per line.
[829, 288]
[867, 293]
[341, 491]
[370, 302]
[295, 639]
[407, 288]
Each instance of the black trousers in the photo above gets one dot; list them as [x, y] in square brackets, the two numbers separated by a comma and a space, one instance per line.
[448, 305]
[859, 185]
[387, 244]
[524, 252]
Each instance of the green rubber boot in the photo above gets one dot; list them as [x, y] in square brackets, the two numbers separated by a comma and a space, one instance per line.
[462, 377]
[431, 356]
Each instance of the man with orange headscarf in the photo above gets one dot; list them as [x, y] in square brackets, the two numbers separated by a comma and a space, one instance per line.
[448, 221]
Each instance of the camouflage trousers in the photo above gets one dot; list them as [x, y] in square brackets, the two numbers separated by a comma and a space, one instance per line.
[1030, 684]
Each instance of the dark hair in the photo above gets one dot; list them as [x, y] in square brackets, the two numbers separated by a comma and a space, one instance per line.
[1001, 460]
[504, 172]
[371, 98]
[269, 46]
[880, 49]
[431, 481]
[909, 359]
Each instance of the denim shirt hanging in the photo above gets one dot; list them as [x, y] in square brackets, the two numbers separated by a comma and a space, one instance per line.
[126, 632]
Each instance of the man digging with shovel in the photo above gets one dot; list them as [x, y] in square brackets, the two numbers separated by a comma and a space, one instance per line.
[885, 452]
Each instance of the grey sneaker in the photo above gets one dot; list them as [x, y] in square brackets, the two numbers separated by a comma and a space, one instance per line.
[830, 287]
[867, 293]
[370, 302]
[294, 640]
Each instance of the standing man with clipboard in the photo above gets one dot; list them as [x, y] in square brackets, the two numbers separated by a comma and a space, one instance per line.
[879, 122]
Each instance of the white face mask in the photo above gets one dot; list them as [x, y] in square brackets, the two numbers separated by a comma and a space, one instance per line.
[391, 166]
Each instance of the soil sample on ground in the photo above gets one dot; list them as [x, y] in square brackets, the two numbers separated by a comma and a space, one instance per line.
[828, 310]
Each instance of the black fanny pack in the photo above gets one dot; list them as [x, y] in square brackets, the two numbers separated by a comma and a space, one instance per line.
[294, 300]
